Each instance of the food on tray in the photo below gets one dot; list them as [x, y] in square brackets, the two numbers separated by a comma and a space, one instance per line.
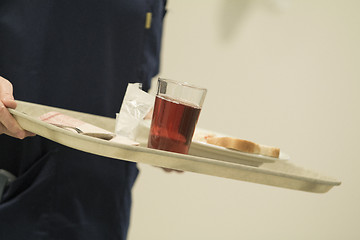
[243, 145]
[78, 126]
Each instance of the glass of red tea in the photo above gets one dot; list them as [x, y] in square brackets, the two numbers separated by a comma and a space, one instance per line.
[176, 112]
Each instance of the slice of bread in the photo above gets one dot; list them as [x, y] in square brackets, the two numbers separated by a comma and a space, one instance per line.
[244, 146]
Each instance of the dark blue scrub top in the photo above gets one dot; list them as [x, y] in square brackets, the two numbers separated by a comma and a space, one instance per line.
[79, 55]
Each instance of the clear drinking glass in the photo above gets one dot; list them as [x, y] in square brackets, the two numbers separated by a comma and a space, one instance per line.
[176, 112]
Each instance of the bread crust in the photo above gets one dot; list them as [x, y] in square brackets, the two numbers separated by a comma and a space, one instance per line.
[244, 146]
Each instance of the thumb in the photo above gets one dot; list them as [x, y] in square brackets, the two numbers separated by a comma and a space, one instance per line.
[10, 103]
[6, 93]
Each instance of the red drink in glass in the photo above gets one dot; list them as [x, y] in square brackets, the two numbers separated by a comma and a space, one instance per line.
[173, 125]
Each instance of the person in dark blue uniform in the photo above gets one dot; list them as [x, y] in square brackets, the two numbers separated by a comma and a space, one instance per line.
[77, 55]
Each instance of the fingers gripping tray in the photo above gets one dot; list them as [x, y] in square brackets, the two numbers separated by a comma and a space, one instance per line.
[273, 173]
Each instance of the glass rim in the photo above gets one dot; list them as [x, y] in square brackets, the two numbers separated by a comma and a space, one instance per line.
[185, 84]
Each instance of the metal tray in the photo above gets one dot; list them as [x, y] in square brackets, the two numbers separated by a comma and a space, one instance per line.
[279, 173]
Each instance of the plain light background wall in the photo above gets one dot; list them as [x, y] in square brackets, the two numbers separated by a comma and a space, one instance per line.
[279, 72]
